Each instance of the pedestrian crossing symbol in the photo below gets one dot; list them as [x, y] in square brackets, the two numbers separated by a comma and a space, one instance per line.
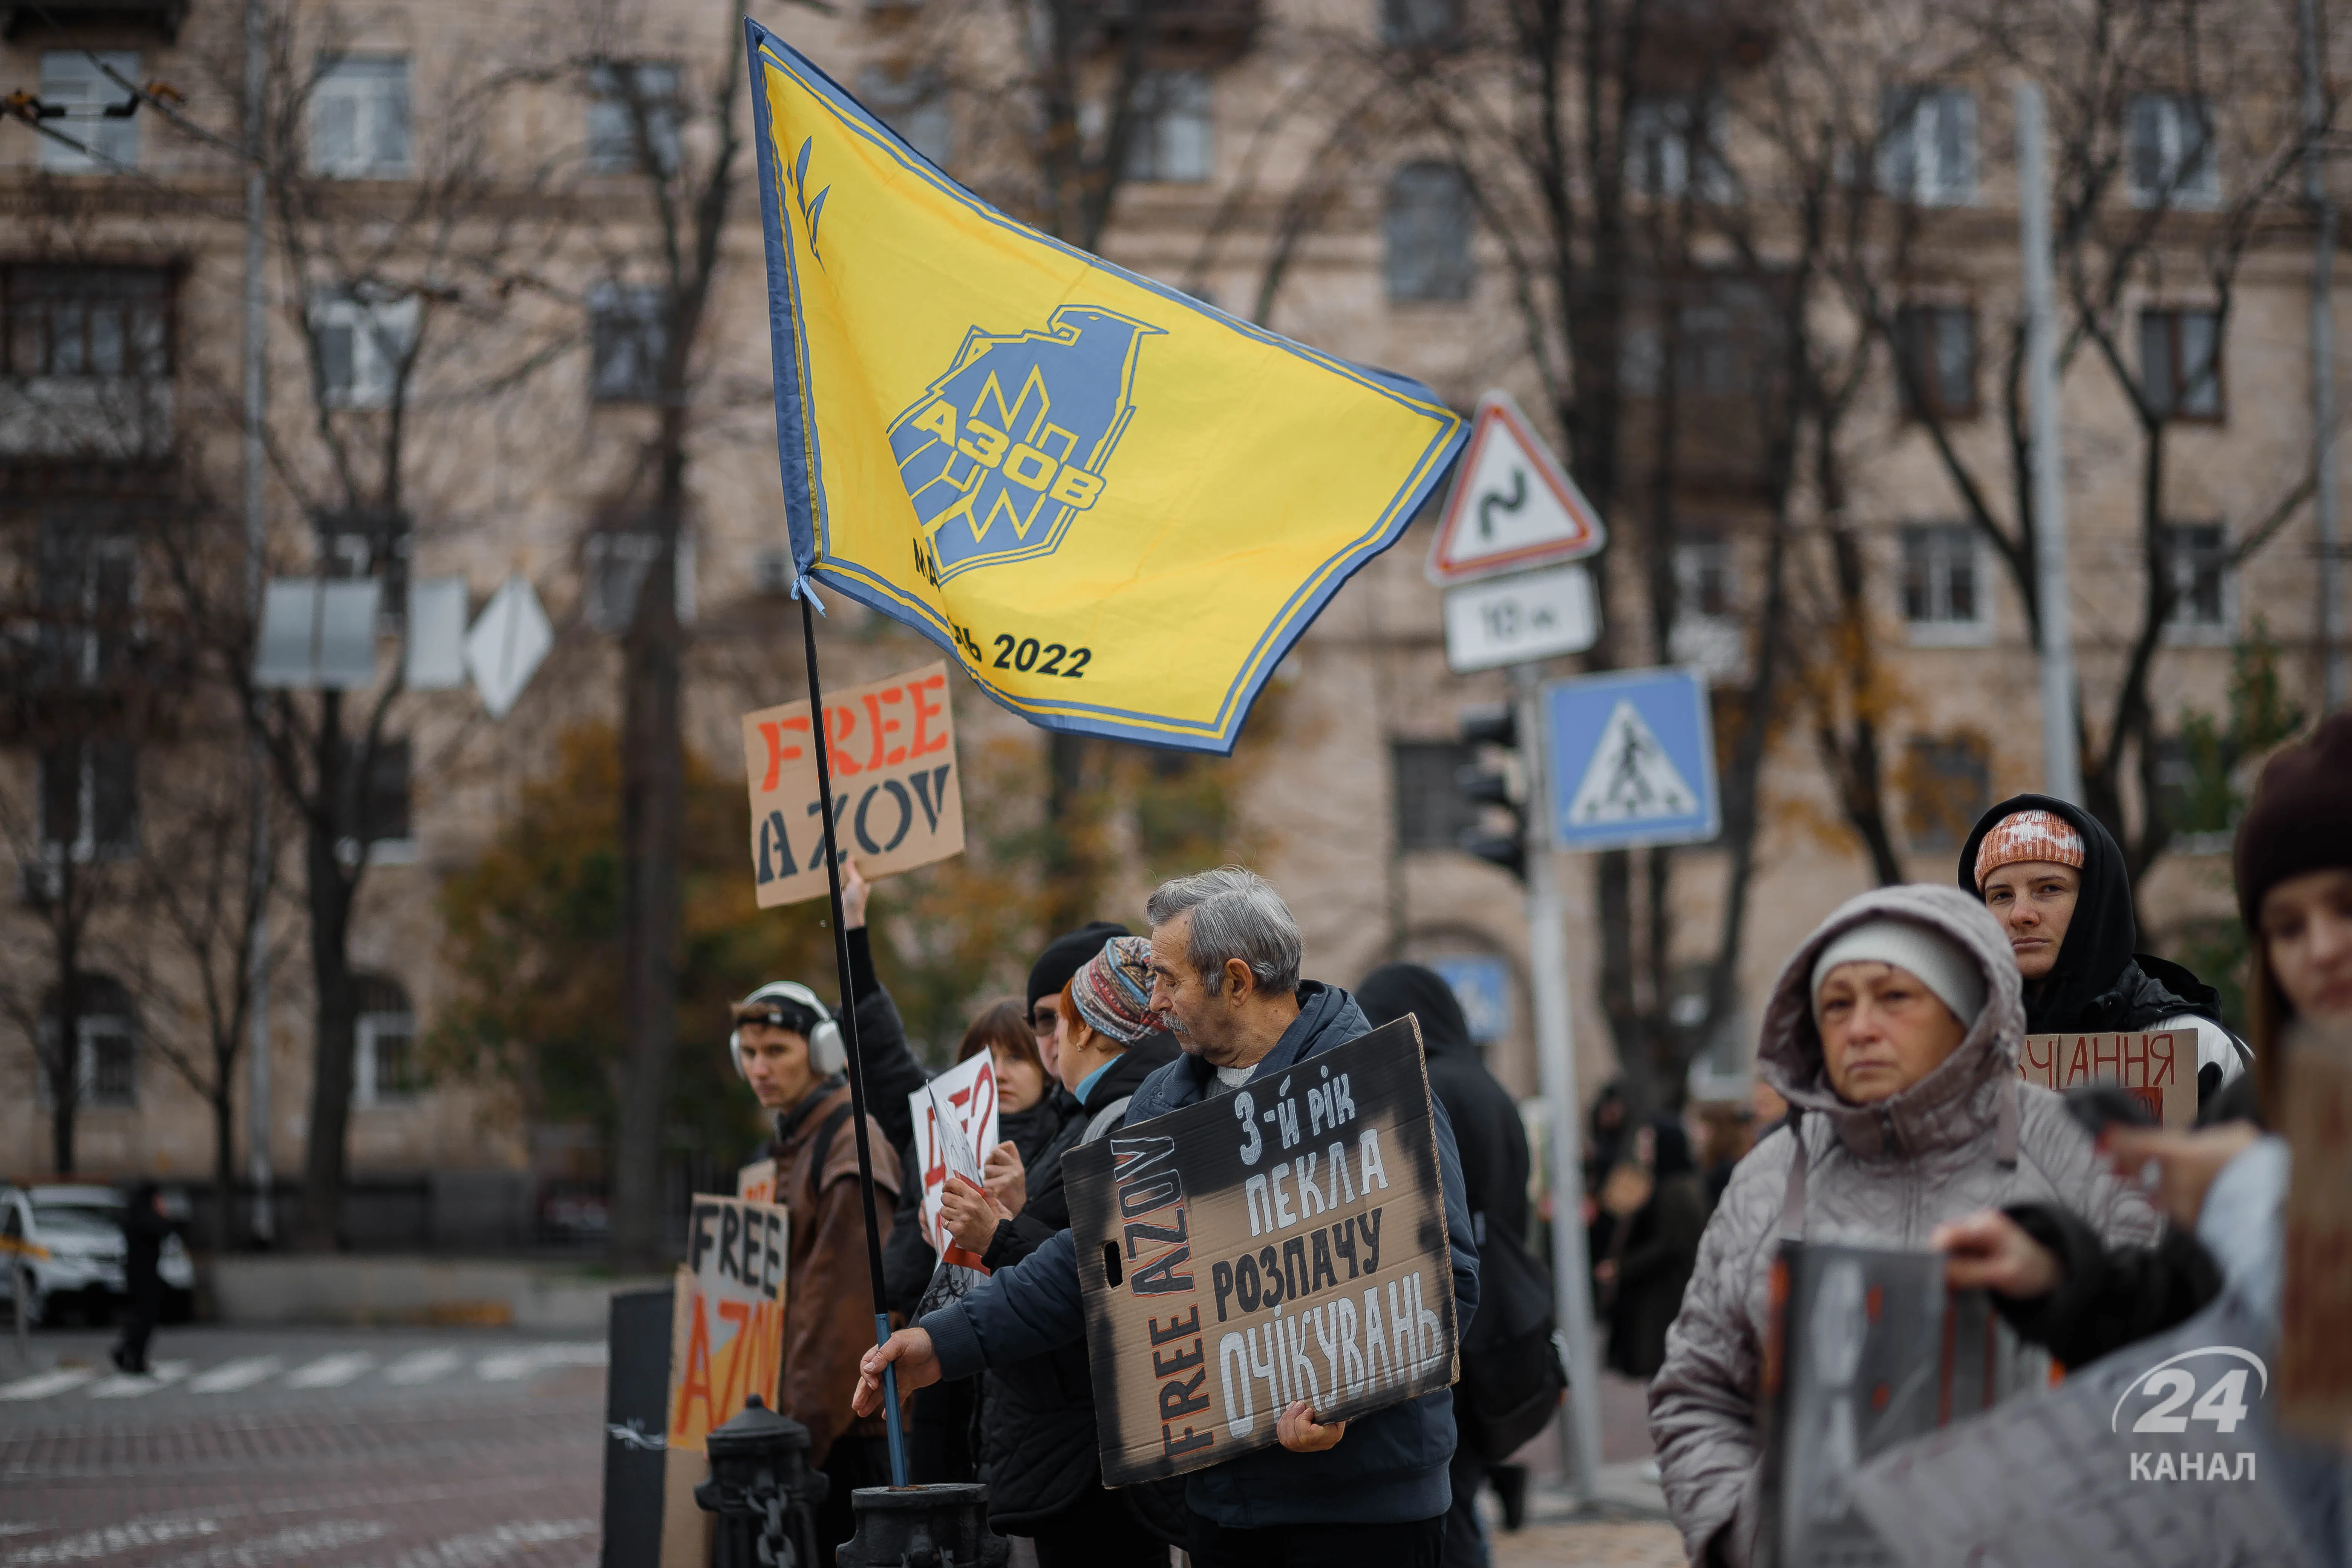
[1631, 760]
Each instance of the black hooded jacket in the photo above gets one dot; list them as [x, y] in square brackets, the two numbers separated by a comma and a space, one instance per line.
[1037, 1438]
[2099, 985]
[1487, 1126]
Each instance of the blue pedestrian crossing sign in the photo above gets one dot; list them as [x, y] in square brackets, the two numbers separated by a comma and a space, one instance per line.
[1630, 760]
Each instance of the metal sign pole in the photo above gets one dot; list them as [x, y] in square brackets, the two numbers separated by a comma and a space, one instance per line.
[2061, 761]
[1556, 1062]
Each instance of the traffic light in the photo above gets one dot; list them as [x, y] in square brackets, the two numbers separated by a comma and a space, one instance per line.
[1499, 783]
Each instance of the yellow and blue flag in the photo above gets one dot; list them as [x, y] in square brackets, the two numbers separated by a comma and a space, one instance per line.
[1116, 505]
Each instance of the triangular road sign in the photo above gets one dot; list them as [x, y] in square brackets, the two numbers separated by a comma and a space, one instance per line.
[1629, 779]
[1513, 505]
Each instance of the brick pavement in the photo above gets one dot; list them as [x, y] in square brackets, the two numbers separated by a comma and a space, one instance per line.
[412, 1486]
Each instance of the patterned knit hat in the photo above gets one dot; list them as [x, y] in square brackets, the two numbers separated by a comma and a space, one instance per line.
[2029, 835]
[1113, 990]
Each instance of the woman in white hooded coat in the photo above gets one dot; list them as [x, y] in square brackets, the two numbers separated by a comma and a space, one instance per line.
[1914, 1114]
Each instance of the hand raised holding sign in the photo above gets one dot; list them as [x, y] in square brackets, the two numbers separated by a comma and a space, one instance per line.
[1008, 1183]
[969, 1214]
[1299, 1432]
[854, 891]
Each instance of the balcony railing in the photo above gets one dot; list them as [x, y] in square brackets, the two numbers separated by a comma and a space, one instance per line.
[21, 19]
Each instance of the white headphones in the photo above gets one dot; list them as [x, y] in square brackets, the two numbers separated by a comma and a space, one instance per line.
[826, 1054]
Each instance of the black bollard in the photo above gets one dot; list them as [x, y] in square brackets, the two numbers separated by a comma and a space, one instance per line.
[942, 1526]
[763, 1490]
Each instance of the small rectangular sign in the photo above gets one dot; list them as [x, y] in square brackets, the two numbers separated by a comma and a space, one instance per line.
[728, 1339]
[2159, 1066]
[1517, 620]
[1283, 1242]
[897, 801]
[965, 1096]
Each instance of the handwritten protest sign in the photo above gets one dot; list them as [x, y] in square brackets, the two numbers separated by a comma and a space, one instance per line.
[897, 801]
[757, 1182]
[1284, 1242]
[2158, 1066]
[955, 1125]
[2314, 1357]
[727, 1333]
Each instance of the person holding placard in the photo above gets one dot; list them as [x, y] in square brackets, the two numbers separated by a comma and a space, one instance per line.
[1370, 1492]
[1893, 1032]
[788, 1045]
[2054, 879]
[1037, 1420]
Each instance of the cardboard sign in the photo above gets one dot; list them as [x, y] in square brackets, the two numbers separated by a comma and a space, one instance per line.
[2159, 1066]
[2315, 1355]
[757, 1182]
[897, 801]
[955, 1125]
[1283, 1242]
[727, 1336]
[1866, 1349]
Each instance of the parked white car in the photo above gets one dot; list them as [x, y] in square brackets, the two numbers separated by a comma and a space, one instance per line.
[73, 1252]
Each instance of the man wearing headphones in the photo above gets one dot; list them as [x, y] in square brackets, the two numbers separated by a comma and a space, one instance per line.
[789, 1049]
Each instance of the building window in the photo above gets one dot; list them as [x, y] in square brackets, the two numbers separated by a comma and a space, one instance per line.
[89, 601]
[2181, 364]
[1703, 577]
[627, 334]
[1947, 786]
[915, 106]
[1944, 596]
[1170, 139]
[1432, 812]
[364, 348]
[1420, 24]
[1935, 361]
[1425, 234]
[358, 118]
[383, 1067]
[106, 1058]
[621, 93]
[1706, 630]
[616, 560]
[77, 322]
[1928, 146]
[1672, 142]
[97, 110]
[2197, 557]
[2168, 151]
[90, 798]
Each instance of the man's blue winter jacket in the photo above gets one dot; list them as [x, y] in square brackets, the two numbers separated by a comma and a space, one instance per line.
[1389, 1468]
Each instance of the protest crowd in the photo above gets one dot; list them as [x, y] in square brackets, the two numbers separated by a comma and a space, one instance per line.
[1890, 1113]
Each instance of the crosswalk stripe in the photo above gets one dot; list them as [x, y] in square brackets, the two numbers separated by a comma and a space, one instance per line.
[130, 1385]
[423, 1366]
[509, 1365]
[42, 1385]
[231, 1377]
[330, 1370]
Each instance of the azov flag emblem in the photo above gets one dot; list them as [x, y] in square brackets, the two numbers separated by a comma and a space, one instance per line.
[1006, 450]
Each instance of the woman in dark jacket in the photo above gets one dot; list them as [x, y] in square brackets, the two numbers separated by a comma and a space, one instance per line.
[941, 1438]
[2054, 879]
[1037, 1444]
[1647, 1272]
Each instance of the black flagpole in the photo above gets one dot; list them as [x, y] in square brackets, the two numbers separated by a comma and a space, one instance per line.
[848, 1021]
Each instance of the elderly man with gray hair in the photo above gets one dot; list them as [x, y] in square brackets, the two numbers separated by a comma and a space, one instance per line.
[1367, 1493]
